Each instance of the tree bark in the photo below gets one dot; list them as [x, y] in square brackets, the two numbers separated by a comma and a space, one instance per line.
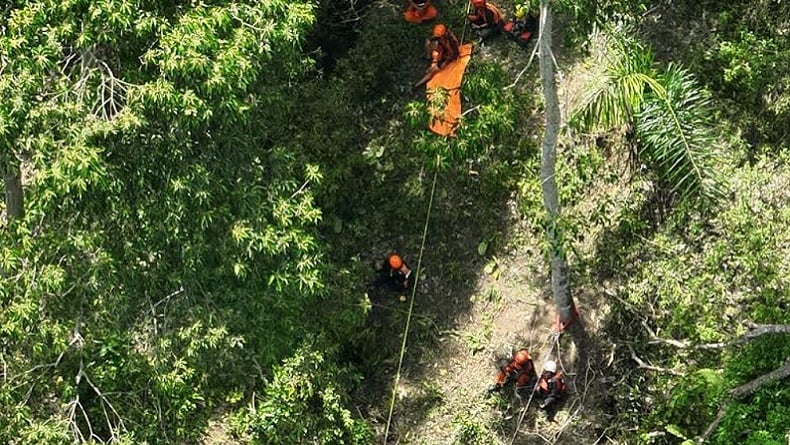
[560, 285]
[758, 330]
[743, 391]
[749, 388]
[14, 199]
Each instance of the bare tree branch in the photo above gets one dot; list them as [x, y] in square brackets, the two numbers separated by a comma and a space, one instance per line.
[713, 425]
[745, 390]
[755, 332]
[644, 365]
[531, 56]
[106, 402]
[749, 388]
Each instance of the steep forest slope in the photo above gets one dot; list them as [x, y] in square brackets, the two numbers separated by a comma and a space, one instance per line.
[207, 185]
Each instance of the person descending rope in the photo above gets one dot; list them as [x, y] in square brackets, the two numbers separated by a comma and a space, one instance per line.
[519, 370]
[486, 20]
[550, 388]
[418, 11]
[523, 27]
[442, 48]
[393, 273]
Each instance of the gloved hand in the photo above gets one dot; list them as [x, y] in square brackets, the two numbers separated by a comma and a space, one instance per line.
[493, 388]
[542, 405]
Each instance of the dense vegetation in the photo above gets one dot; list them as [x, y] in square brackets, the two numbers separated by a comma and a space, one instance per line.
[195, 192]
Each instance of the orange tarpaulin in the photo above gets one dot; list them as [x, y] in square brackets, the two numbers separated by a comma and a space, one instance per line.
[445, 88]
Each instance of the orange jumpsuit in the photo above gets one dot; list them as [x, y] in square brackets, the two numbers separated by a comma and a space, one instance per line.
[419, 11]
[522, 371]
[442, 50]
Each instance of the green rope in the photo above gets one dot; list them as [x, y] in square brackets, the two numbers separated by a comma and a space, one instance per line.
[411, 303]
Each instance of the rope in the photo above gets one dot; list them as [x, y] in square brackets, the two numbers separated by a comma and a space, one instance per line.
[555, 342]
[411, 303]
[463, 31]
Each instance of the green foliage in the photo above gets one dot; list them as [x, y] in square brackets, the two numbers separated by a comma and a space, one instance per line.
[170, 250]
[471, 429]
[624, 69]
[587, 15]
[745, 62]
[670, 112]
[700, 393]
[303, 403]
[675, 125]
[701, 280]
[761, 421]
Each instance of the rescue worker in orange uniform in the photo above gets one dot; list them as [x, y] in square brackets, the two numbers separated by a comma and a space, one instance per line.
[393, 273]
[519, 370]
[442, 48]
[486, 20]
[418, 11]
[550, 388]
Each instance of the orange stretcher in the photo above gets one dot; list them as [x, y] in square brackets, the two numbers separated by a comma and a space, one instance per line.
[445, 88]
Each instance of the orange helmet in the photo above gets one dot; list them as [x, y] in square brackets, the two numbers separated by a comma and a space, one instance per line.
[395, 261]
[478, 2]
[439, 30]
[522, 356]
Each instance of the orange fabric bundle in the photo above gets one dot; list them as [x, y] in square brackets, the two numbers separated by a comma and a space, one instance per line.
[414, 15]
[445, 120]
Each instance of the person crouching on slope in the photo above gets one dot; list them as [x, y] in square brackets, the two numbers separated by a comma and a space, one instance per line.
[418, 11]
[523, 27]
[442, 48]
[393, 274]
[486, 20]
[519, 370]
[550, 388]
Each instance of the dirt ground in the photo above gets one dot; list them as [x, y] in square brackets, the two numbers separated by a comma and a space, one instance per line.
[473, 310]
[506, 304]
[510, 309]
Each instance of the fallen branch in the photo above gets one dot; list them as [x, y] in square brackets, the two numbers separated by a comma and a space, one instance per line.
[531, 56]
[743, 391]
[755, 332]
[749, 388]
[713, 425]
[642, 364]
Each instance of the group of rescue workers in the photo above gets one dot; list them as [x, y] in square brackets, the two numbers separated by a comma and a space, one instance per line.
[548, 387]
[516, 373]
[486, 20]
[442, 48]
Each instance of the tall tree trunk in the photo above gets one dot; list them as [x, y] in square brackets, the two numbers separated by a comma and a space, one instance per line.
[14, 199]
[560, 280]
[560, 286]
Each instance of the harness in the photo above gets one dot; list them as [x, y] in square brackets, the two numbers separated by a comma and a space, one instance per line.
[556, 380]
[447, 48]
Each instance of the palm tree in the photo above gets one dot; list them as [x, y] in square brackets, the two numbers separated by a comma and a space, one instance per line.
[560, 285]
[669, 111]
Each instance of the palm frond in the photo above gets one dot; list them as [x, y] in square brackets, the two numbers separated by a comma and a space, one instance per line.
[675, 127]
[617, 84]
